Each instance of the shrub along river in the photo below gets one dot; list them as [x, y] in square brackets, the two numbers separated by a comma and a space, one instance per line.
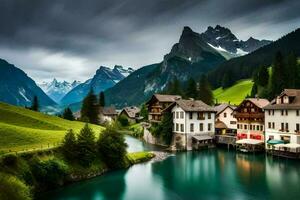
[208, 174]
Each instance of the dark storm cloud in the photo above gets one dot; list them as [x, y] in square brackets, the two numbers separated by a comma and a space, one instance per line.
[130, 32]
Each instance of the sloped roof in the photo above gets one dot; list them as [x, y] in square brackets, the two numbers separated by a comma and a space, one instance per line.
[108, 111]
[294, 104]
[167, 98]
[131, 111]
[193, 106]
[220, 108]
[259, 102]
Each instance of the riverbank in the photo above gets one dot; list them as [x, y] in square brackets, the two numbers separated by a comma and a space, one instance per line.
[41, 171]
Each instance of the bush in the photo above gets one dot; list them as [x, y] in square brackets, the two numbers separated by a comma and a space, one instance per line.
[123, 120]
[49, 174]
[11, 188]
[112, 147]
[9, 160]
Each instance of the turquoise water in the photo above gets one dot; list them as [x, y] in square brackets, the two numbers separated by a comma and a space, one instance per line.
[210, 174]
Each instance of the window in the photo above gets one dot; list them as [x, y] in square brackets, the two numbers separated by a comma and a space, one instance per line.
[282, 112]
[173, 115]
[181, 115]
[177, 115]
[181, 128]
[250, 127]
[261, 127]
[282, 126]
[269, 125]
[238, 126]
[209, 127]
[297, 127]
[297, 112]
[232, 122]
[272, 112]
[269, 111]
[209, 115]
[191, 115]
[177, 127]
[245, 127]
[201, 116]
[192, 127]
[286, 112]
[286, 126]
[257, 127]
[273, 125]
[225, 115]
[201, 126]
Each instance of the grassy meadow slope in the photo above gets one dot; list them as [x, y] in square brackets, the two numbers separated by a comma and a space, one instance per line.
[234, 94]
[23, 129]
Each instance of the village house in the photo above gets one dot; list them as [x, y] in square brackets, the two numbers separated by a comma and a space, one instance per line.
[194, 124]
[250, 124]
[226, 124]
[157, 104]
[282, 122]
[132, 113]
[107, 114]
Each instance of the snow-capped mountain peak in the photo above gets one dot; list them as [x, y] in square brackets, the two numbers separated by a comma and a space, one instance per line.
[56, 89]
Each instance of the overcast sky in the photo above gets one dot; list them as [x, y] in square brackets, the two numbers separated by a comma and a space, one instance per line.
[70, 39]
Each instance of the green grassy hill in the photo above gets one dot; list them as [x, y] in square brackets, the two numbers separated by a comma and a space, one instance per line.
[23, 129]
[235, 94]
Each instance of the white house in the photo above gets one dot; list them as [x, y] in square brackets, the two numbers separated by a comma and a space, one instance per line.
[225, 120]
[282, 121]
[194, 124]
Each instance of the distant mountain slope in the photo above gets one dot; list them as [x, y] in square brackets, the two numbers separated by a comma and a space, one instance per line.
[244, 66]
[56, 90]
[18, 89]
[21, 129]
[103, 79]
[234, 94]
[190, 57]
[224, 40]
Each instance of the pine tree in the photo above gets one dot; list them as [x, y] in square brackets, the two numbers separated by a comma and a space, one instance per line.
[254, 90]
[292, 71]
[167, 127]
[89, 110]
[35, 104]
[101, 99]
[86, 146]
[68, 114]
[262, 76]
[205, 92]
[278, 75]
[191, 90]
[69, 145]
[144, 111]
[226, 82]
[174, 87]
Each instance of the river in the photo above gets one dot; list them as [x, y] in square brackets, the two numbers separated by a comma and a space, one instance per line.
[209, 174]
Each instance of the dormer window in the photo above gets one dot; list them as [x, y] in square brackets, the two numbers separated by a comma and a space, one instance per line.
[278, 100]
[285, 99]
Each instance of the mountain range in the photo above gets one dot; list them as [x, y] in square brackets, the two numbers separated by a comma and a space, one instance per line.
[193, 55]
[103, 79]
[56, 90]
[19, 89]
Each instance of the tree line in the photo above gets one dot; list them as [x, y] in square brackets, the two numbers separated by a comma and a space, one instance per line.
[200, 90]
[84, 148]
[284, 73]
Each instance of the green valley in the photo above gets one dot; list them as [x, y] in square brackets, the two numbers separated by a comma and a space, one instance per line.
[22, 129]
[234, 94]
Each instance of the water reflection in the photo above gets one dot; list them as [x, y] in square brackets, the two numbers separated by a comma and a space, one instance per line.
[212, 174]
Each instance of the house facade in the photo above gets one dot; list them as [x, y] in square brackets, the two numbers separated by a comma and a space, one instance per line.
[250, 119]
[157, 104]
[282, 120]
[225, 120]
[107, 114]
[132, 113]
[194, 124]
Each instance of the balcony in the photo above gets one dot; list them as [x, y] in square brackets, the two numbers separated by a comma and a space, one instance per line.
[250, 115]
